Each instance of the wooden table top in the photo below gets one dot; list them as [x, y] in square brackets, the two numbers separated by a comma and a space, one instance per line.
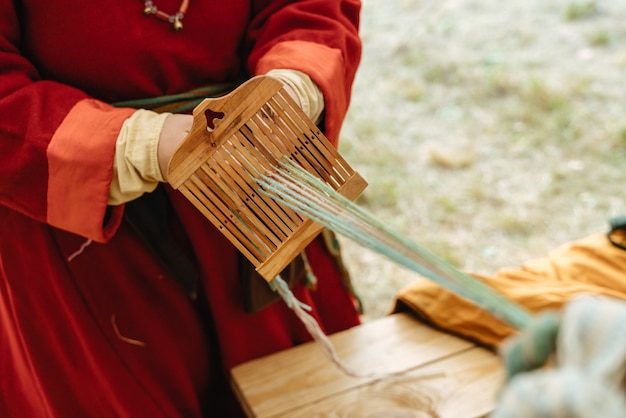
[439, 375]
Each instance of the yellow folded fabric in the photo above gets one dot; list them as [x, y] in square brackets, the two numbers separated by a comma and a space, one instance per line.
[588, 266]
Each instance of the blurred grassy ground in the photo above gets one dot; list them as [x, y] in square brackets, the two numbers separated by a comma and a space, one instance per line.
[489, 131]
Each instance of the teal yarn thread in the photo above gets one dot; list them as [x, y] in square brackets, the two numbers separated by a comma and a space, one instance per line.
[534, 346]
[304, 193]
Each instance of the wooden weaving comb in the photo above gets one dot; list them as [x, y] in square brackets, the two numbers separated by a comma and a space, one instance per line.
[235, 139]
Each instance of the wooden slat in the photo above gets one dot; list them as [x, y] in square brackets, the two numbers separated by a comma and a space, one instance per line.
[286, 216]
[323, 165]
[215, 209]
[191, 193]
[270, 217]
[324, 152]
[353, 187]
[296, 137]
[235, 215]
[271, 150]
[278, 143]
[235, 179]
[301, 378]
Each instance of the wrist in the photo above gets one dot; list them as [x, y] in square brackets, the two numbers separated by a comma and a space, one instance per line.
[175, 129]
[305, 90]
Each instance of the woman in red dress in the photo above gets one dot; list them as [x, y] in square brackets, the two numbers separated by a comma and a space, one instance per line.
[94, 321]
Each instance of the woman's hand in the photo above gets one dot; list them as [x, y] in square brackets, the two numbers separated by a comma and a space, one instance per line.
[291, 92]
[303, 90]
[175, 129]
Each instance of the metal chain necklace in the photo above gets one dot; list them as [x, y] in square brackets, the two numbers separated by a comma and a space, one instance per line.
[150, 9]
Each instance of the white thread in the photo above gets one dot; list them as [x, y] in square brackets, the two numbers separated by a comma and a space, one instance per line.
[80, 250]
[280, 286]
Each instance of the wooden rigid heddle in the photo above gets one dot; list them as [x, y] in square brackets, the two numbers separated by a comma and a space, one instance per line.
[235, 140]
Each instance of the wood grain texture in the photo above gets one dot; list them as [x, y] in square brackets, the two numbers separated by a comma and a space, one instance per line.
[239, 138]
[441, 376]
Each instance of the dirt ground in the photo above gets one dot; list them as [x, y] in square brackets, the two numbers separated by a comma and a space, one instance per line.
[489, 131]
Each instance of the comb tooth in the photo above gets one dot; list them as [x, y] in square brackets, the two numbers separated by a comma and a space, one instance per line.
[226, 180]
[266, 136]
[288, 138]
[209, 207]
[314, 151]
[285, 218]
[232, 216]
[236, 167]
[276, 142]
[330, 154]
[266, 152]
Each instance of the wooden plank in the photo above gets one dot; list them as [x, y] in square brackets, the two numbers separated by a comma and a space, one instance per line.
[463, 385]
[301, 376]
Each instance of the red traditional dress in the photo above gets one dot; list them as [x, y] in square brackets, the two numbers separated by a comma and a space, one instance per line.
[108, 332]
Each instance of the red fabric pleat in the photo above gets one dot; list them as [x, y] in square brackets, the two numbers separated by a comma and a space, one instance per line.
[124, 339]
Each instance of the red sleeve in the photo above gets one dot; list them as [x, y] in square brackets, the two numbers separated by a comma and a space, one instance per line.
[54, 167]
[317, 37]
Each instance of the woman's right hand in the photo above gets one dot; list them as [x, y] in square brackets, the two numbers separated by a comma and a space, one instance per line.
[175, 129]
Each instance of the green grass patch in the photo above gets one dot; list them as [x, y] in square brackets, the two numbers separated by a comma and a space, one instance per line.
[599, 38]
[580, 10]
